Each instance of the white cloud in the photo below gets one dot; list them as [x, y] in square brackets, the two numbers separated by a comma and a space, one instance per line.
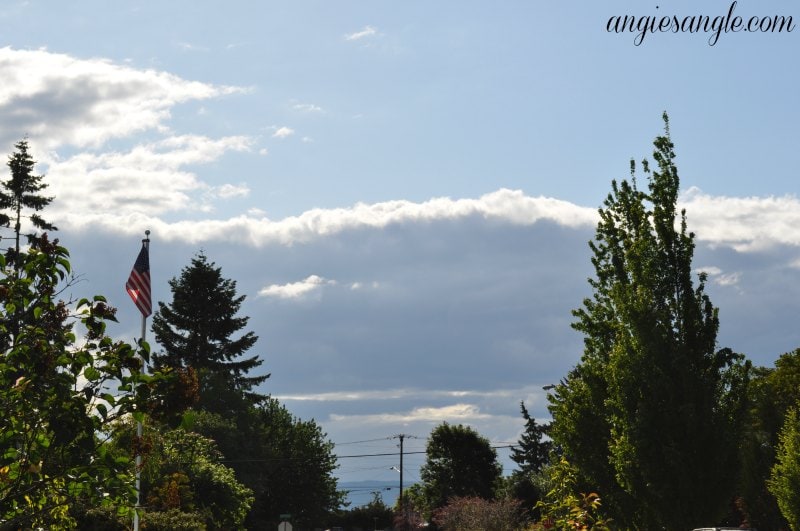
[529, 393]
[283, 132]
[296, 290]
[307, 107]
[59, 99]
[719, 277]
[367, 31]
[130, 192]
[509, 206]
[227, 191]
[148, 180]
[709, 270]
[452, 413]
[743, 223]
[727, 279]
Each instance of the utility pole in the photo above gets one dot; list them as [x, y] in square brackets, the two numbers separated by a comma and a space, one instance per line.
[403, 508]
[401, 436]
[401, 469]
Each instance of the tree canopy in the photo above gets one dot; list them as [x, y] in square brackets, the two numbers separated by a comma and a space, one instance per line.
[649, 415]
[459, 462]
[60, 396]
[784, 481]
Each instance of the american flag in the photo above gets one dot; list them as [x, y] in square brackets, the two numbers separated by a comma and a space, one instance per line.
[138, 284]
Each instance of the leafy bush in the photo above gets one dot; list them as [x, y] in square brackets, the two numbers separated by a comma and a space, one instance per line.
[478, 514]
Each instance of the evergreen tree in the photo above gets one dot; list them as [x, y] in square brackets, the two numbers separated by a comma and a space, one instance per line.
[648, 417]
[531, 455]
[531, 452]
[195, 331]
[20, 192]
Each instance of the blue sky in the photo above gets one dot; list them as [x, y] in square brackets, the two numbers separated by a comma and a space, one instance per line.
[404, 190]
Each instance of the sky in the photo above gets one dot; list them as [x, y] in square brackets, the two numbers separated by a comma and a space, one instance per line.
[404, 191]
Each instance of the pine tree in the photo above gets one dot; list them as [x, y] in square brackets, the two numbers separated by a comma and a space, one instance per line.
[195, 332]
[531, 453]
[20, 192]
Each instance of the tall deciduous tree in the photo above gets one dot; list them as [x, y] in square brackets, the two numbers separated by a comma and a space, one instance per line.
[648, 415]
[58, 397]
[459, 462]
[21, 192]
[197, 331]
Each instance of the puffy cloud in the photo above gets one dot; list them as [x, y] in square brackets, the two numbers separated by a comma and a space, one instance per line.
[719, 277]
[148, 180]
[58, 99]
[743, 223]
[367, 31]
[296, 290]
[509, 206]
[283, 132]
[227, 191]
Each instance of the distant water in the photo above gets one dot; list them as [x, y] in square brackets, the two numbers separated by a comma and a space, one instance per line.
[360, 492]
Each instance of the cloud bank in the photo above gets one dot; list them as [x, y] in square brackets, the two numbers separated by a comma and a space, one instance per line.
[58, 99]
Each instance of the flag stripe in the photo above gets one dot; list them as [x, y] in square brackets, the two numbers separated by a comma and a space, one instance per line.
[138, 284]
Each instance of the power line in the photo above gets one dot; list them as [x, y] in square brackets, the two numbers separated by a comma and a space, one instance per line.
[365, 441]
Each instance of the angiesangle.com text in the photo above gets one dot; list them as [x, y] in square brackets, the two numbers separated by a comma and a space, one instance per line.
[715, 25]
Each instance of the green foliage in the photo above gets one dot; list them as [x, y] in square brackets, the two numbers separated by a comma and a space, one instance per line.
[20, 192]
[770, 393]
[651, 388]
[287, 462]
[564, 509]
[60, 396]
[410, 515]
[182, 472]
[374, 515]
[784, 482]
[173, 520]
[459, 462]
[478, 514]
[196, 331]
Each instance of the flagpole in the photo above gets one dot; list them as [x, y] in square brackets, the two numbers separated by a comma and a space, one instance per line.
[139, 427]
